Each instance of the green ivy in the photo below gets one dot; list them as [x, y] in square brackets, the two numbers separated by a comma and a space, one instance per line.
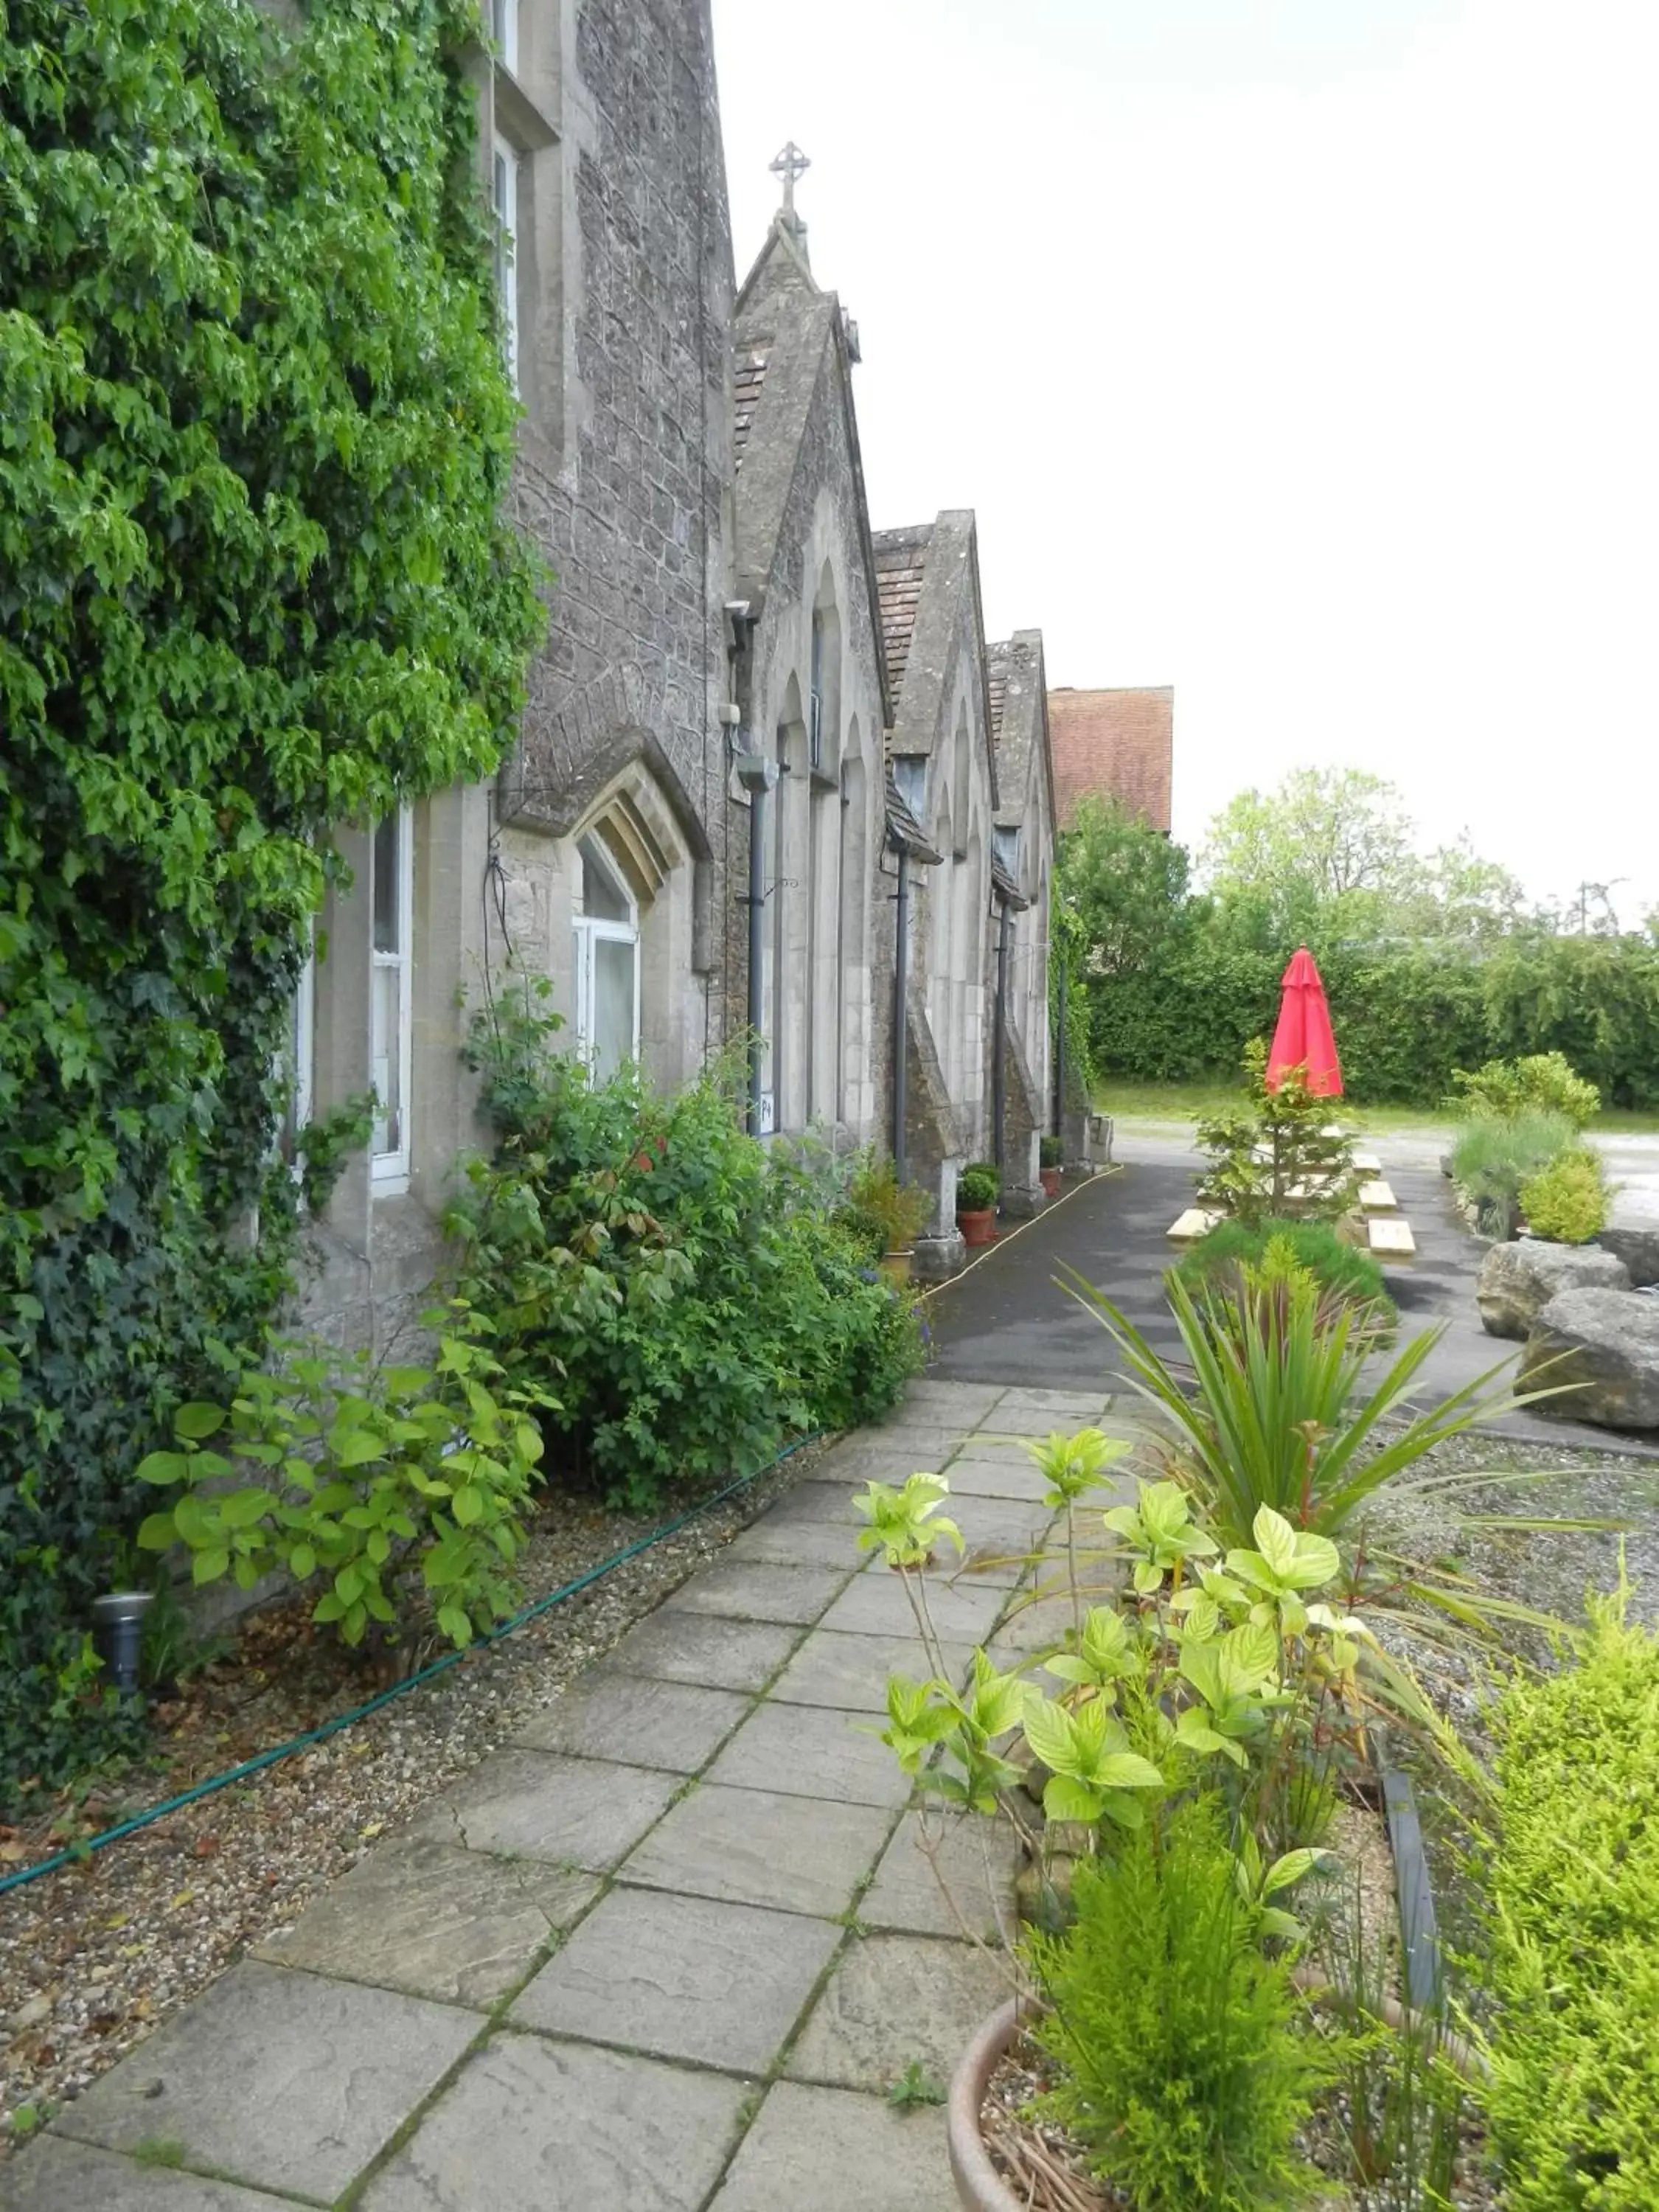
[254, 438]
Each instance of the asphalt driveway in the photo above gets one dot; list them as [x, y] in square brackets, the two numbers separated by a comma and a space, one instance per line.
[1009, 1320]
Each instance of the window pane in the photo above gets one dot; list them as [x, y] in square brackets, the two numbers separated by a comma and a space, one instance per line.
[385, 1059]
[603, 897]
[384, 870]
[613, 1004]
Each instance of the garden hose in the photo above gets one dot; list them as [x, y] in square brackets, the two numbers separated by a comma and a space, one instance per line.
[76, 1853]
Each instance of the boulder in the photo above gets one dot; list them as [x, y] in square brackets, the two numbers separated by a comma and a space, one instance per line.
[1608, 1343]
[1639, 1250]
[1517, 1281]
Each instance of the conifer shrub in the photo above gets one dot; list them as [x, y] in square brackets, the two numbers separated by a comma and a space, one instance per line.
[1572, 1891]
[1182, 2073]
[1217, 1260]
[1567, 1200]
[1494, 1155]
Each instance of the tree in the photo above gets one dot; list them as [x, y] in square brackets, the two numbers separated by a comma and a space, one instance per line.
[1127, 884]
[1331, 854]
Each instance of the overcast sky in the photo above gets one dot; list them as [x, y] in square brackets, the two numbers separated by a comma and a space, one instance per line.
[1302, 354]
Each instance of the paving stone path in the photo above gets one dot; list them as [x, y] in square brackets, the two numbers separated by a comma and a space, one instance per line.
[668, 1953]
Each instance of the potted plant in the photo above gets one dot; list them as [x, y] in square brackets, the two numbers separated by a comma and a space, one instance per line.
[1051, 1153]
[885, 1215]
[978, 1188]
[1168, 1761]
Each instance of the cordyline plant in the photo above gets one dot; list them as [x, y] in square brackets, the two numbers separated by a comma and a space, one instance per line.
[1276, 1409]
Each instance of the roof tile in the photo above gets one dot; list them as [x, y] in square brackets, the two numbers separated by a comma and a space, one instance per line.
[1114, 744]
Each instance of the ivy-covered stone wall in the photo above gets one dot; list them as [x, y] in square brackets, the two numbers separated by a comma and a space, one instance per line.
[255, 433]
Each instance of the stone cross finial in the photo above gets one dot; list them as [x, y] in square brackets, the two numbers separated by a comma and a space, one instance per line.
[791, 165]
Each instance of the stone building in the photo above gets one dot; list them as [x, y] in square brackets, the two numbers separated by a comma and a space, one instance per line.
[1114, 744]
[730, 662]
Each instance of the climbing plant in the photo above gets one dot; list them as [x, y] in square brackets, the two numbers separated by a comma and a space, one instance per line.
[254, 581]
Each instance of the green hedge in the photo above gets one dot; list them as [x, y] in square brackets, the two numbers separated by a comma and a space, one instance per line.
[1573, 1899]
[1404, 1017]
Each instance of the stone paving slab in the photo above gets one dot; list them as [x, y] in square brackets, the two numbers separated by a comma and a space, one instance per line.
[578, 1813]
[682, 1977]
[817, 2150]
[676, 1726]
[282, 2080]
[801, 1543]
[818, 1503]
[876, 1605]
[759, 1847]
[892, 1999]
[977, 1858]
[889, 1455]
[726, 1655]
[537, 2126]
[851, 1671]
[70, 2177]
[794, 1596]
[934, 1397]
[806, 1751]
[1028, 1412]
[1013, 1478]
[435, 1921]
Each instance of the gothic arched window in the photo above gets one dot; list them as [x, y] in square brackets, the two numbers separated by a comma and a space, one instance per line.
[606, 949]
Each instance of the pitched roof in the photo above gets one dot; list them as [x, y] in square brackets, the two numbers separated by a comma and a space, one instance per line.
[750, 381]
[1019, 721]
[900, 568]
[1114, 744]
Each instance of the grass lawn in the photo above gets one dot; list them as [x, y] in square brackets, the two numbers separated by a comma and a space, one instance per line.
[1192, 1101]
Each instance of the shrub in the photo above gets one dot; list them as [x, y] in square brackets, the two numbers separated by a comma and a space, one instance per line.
[882, 1213]
[978, 1188]
[1542, 1082]
[1495, 1155]
[1183, 2076]
[1567, 1200]
[1216, 1261]
[1276, 1152]
[1572, 1886]
[382, 1480]
[1051, 1151]
[682, 1290]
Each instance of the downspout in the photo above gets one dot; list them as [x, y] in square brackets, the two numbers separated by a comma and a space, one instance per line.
[999, 1085]
[900, 994]
[1060, 1046]
[757, 904]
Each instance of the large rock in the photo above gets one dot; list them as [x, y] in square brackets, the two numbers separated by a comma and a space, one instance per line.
[1638, 1248]
[1517, 1281]
[1608, 1343]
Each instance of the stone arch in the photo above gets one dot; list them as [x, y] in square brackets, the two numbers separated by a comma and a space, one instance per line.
[853, 1038]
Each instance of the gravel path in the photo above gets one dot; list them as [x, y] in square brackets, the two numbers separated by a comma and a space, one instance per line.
[91, 1957]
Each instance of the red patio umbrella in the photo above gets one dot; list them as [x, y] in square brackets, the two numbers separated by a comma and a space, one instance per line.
[1304, 1037]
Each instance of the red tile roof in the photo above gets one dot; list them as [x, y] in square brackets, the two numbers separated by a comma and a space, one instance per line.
[1117, 744]
[901, 566]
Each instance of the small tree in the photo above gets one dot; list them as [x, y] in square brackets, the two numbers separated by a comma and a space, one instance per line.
[1278, 1156]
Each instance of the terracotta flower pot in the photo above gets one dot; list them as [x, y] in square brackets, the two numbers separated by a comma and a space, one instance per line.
[1049, 1178]
[978, 1227]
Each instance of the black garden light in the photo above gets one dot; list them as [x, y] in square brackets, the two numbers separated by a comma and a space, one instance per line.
[117, 1629]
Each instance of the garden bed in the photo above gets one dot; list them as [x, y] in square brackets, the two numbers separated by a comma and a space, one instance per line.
[91, 1957]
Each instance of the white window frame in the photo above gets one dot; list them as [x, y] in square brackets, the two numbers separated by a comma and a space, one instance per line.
[390, 1168]
[586, 928]
[504, 166]
[504, 30]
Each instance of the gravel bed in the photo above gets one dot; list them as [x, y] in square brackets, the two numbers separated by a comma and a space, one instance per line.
[93, 1956]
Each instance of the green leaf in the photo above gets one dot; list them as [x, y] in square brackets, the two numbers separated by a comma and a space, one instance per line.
[156, 1533]
[302, 1562]
[198, 1419]
[1065, 1798]
[1050, 1734]
[207, 1566]
[1127, 1770]
[467, 1505]
[1275, 1540]
[162, 1467]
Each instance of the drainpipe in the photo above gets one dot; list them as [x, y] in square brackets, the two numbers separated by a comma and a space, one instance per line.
[757, 775]
[901, 992]
[1059, 1049]
[998, 1086]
